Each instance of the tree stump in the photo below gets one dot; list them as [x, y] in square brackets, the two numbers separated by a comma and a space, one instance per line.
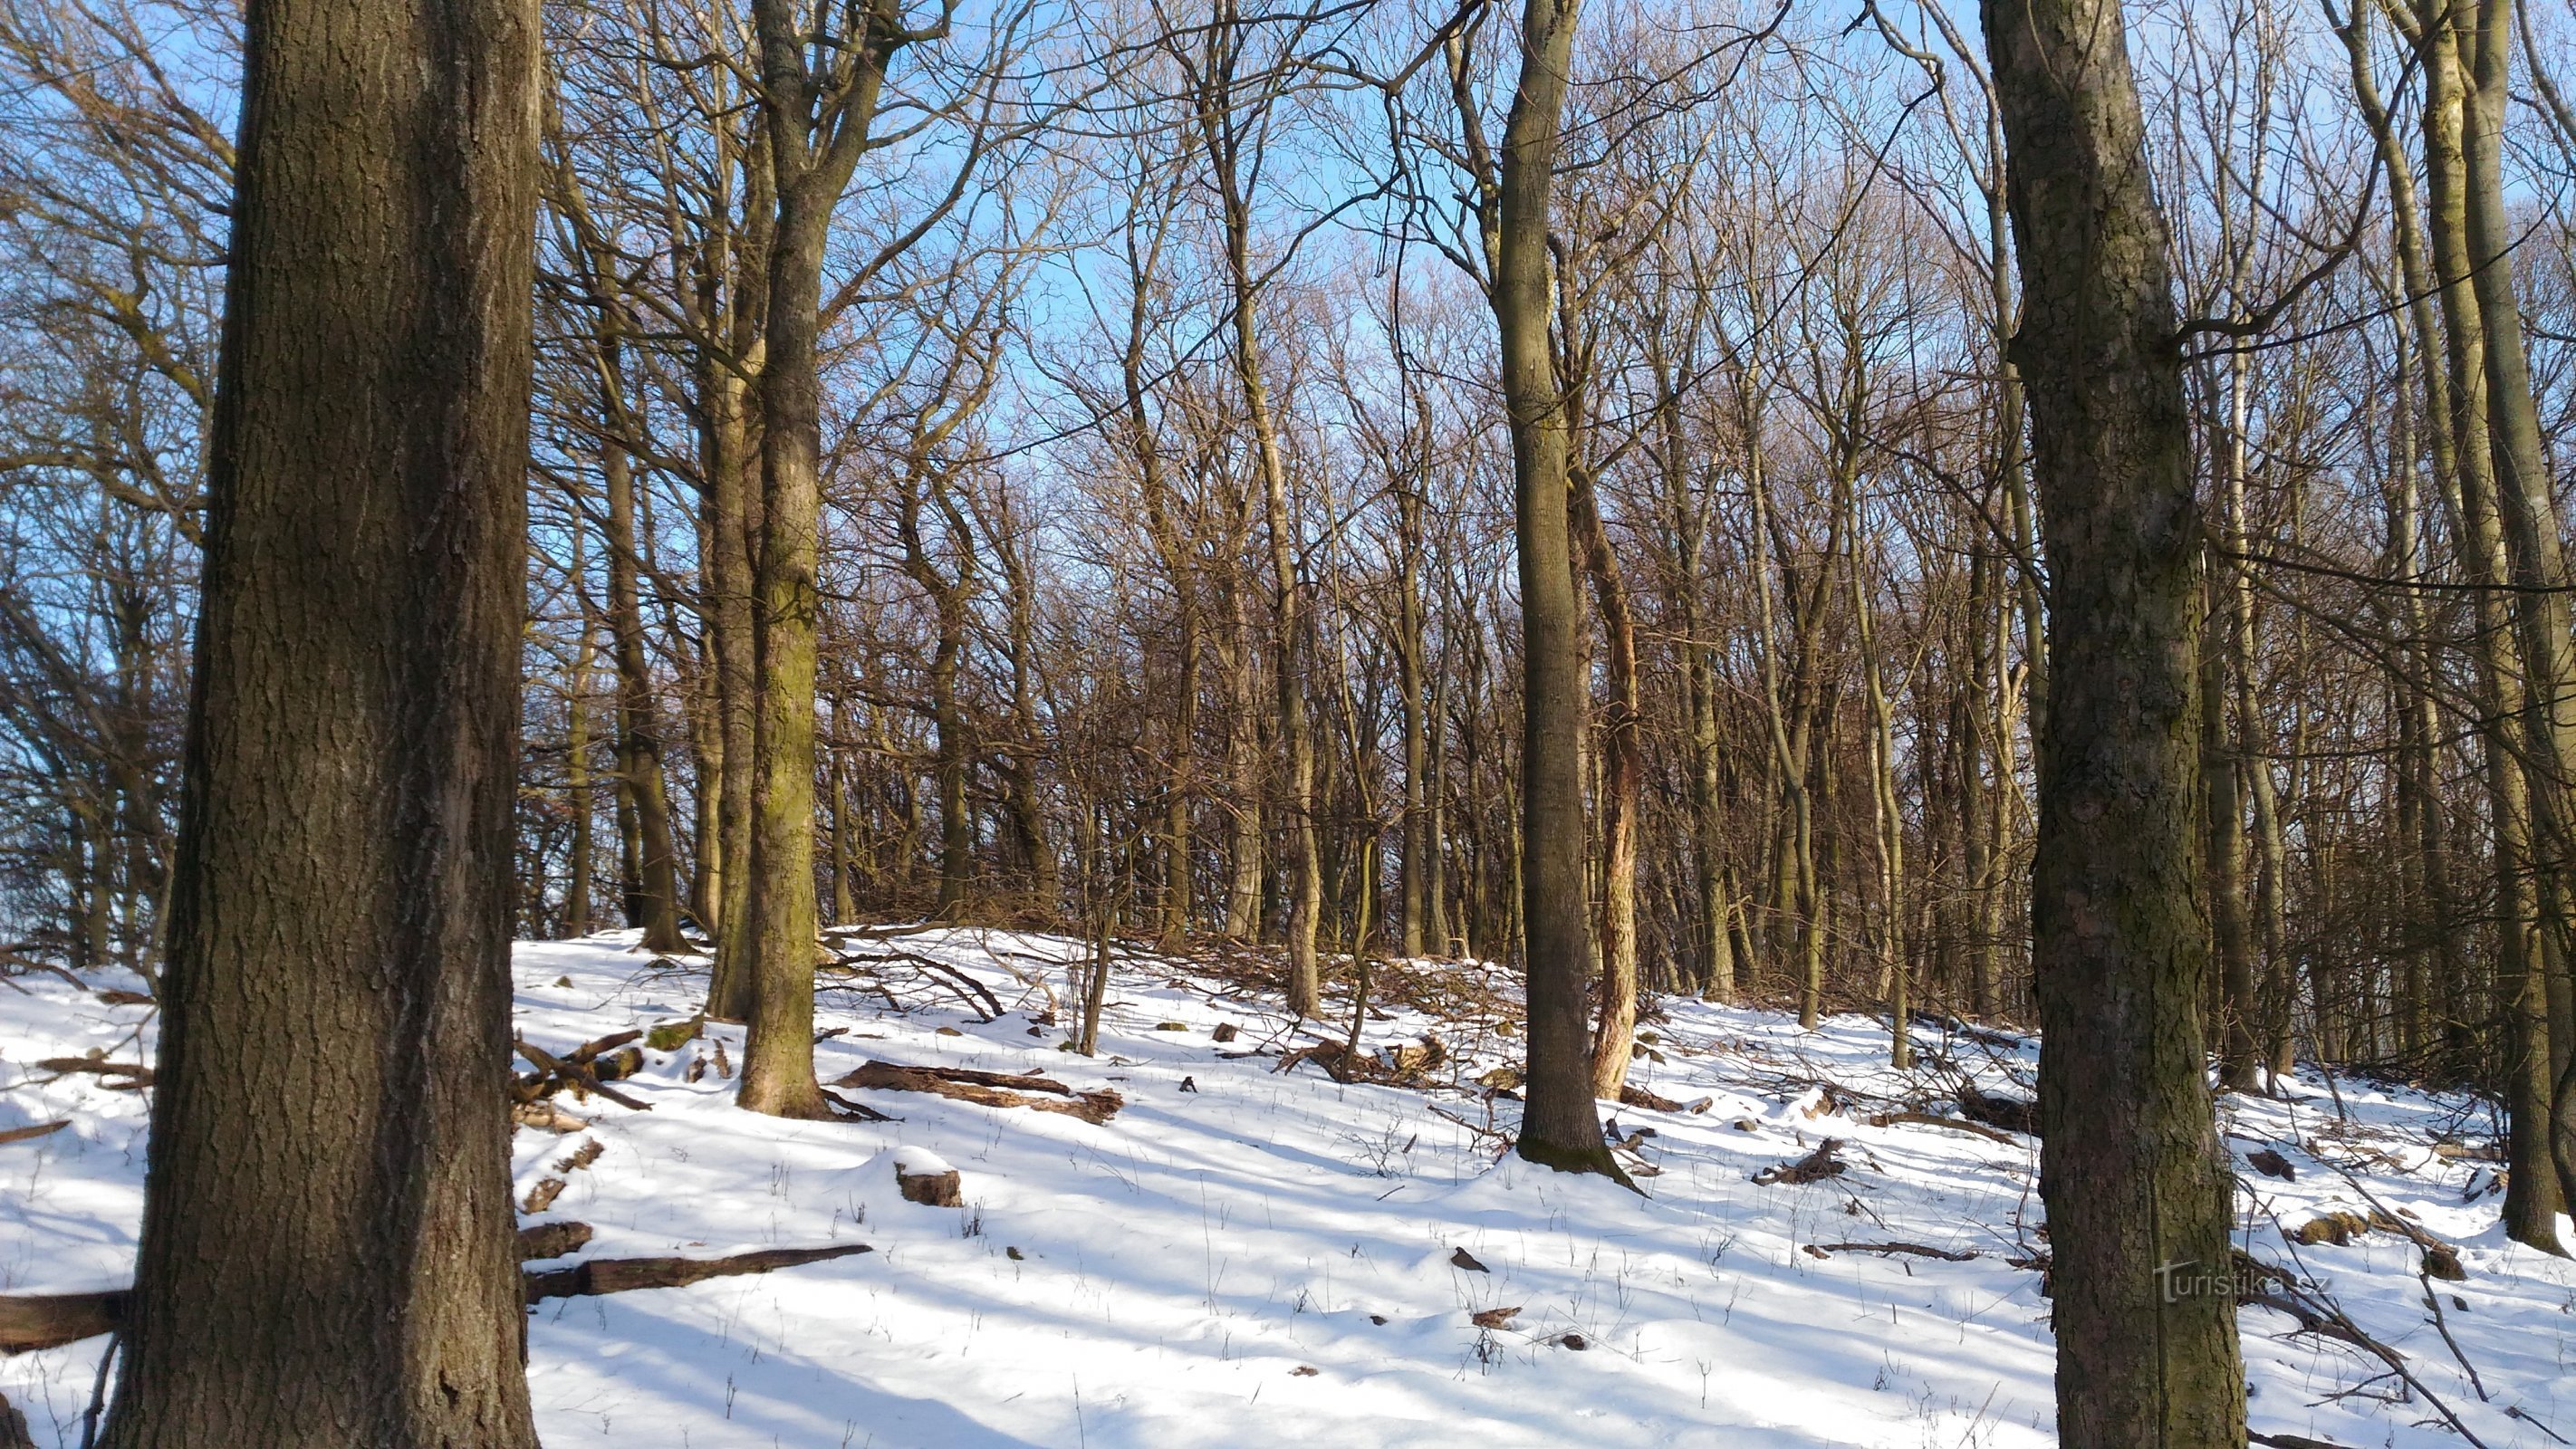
[924, 1179]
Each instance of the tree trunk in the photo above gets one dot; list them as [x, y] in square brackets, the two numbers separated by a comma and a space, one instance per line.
[1243, 773]
[578, 866]
[2223, 851]
[2136, 1184]
[639, 738]
[844, 910]
[327, 1252]
[1623, 772]
[2452, 169]
[733, 530]
[1560, 1126]
[2532, 533]
[817, 127]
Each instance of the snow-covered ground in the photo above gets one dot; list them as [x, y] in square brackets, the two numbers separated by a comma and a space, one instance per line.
[1248, 1257]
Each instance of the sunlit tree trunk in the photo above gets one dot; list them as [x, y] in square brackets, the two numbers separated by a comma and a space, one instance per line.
[327, 1254]
[2136, 1184]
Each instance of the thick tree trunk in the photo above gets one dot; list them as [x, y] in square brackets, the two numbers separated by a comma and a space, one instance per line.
[816, 127]
[1560, 1126]
[731, 309]
[327, 1254]
[2136, 1183]
[781, 917]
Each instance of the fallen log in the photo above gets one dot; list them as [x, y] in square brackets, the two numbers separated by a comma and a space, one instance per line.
[1926, 1119]
[626, 1275]
[539, 1241]
[30, 1134]
[50, 1320]
[546, 1117]
[962, 1085]
[1997, 1109]
[1632, 1095]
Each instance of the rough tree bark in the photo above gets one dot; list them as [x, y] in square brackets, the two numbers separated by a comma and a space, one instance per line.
[818, 121]
[2136, 1184]
[1560, 1125]
[327, 1253]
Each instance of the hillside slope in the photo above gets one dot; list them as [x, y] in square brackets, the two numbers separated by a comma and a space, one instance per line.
[1248, 1256]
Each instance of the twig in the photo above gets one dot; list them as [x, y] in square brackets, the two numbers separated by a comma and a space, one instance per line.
[1946, 1255]
[2433, 1300]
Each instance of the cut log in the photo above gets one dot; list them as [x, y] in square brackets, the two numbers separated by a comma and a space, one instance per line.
[545, 1117]
[626, 1275]
[962, 1085]
[30, 1134]
[538, 1241]
[670, 1036]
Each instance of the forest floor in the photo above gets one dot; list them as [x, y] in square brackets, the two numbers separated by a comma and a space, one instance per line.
[1248, 1256]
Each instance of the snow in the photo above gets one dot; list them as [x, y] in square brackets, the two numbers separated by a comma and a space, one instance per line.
[1248, 1257]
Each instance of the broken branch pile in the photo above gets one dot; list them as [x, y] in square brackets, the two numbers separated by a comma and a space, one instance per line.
[585, 1069]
